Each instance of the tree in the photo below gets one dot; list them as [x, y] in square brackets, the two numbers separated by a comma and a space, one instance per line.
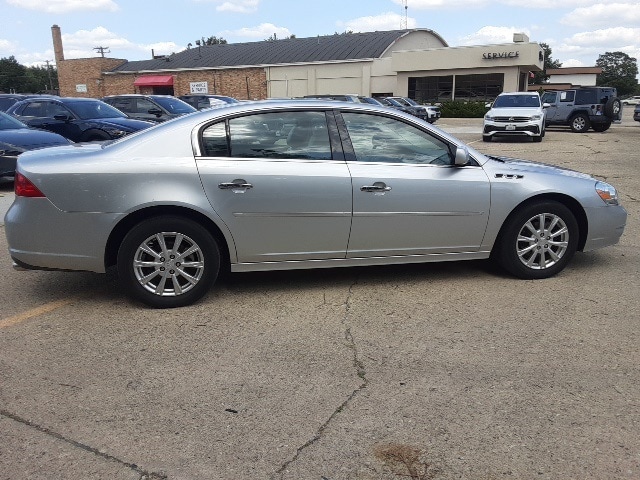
[540, 78]
[211, 41]
[274, 37]
[619, 70]
[17, 78]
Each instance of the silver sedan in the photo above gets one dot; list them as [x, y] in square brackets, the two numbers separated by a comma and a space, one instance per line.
[291, 185]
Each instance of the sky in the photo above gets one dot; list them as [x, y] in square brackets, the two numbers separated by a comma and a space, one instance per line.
[577, 31]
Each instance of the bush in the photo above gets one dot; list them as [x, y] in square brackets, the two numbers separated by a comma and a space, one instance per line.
[462, 109]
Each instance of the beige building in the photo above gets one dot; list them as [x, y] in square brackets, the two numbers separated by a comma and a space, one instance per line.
[416, 63]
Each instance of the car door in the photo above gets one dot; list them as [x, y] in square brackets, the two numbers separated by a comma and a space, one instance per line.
[408, 197]
[280, 184]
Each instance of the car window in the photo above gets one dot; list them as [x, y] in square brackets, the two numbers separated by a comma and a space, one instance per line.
[584, 97]
[517, 101]
[382, 139]
[214, 140]
[93, 109]
[144, 105]
[568, 96]
[122, 104]
[54, 108]
[34, 109]
[174, 105]
[549, 97]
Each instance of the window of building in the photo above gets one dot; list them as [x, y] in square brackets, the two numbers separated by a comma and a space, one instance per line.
[476, 87]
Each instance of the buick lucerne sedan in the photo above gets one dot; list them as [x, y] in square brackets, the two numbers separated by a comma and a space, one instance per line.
[280, 185]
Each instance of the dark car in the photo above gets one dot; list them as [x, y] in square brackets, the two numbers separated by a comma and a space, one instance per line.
[407, 105]
[207, 101]
[153, 108]
[636, 113]
[16, 138]
[8, 99]
[78, 119]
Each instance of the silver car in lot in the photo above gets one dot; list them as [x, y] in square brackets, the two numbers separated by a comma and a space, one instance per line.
[280, 185]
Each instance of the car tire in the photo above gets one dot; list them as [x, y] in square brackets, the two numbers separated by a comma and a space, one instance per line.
[601, 127]
[486, 138]
[94, 136]
[579, 123]
[612, 108]
[537, 241]
[168, 261]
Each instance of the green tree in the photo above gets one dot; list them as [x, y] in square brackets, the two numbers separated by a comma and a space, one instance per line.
[619, 70]
[12, 75]
[541, 77]
[213, 40]
[274, 37]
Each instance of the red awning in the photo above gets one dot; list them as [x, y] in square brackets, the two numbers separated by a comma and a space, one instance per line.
[154, 81]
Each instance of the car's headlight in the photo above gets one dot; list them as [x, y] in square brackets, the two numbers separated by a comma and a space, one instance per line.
[536, 117]
[116, 132]
[607, 193]
[488, 117]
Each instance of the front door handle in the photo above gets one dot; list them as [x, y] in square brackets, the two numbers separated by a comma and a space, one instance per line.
[376, 187]
[238, 184]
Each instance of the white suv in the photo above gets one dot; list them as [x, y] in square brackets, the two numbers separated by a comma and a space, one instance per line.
[632, 100]
[515, 114]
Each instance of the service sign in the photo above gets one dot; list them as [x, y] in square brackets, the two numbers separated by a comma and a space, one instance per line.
[82, 88]
[199, 87]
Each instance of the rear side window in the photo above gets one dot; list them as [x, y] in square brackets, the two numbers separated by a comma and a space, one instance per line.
[277, 135]
[584, 97]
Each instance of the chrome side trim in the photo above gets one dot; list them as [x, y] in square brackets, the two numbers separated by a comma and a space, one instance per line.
[291, 214]
[419, 214]
[354, 262]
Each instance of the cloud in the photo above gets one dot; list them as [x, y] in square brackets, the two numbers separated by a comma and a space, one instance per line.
[6, 46]
[468, 4]
[65, 6]
[490, 35]
[237, 6]
[82, 43]
[601, 14]
[384, 21]
[261, 32]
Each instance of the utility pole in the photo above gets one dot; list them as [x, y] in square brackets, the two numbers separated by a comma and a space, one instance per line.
[49, 72]
[102, 50]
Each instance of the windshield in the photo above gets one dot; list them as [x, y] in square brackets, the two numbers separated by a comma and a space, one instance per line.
[517, 101]
[9, 123]
[173, 105]
[87, 110]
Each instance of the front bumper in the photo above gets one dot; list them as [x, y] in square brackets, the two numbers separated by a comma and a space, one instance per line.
[522, 129]
[606, 225]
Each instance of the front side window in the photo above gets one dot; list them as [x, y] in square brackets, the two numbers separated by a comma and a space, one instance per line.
[382, 139]
[145, 105]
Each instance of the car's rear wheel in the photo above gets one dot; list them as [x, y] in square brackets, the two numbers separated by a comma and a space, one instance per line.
[168, 261]
[538, 240]
[601, 127]
[579, 123]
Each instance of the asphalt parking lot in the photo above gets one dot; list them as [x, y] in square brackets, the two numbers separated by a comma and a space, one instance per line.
[438, 371]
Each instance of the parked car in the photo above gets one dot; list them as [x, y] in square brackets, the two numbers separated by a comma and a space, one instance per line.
[517, 114]
[78, 119]
[280, 185]
[635, 100]
[152, 108]
[337, 97]
[636, 113]
[8, 99]
[583, 108]
[201, 102]
[16, 138]
[426, 112]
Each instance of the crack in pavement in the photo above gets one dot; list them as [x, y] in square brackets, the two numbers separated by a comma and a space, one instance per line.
[361, 372]
[144, 475]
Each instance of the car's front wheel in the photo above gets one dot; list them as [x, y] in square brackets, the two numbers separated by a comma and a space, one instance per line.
[538, 240]
[168, 261]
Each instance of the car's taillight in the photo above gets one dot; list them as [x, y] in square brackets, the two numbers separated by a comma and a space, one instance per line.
[23, 187]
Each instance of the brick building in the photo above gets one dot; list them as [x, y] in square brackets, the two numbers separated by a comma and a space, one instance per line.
[416, 63]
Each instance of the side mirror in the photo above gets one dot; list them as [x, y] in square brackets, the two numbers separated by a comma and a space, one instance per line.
[62, 116]
[462, 156]
[487, 105]
[546, 105]
[155, 111]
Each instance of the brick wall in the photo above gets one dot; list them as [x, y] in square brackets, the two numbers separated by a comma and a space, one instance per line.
[85, 71]
[241, 83]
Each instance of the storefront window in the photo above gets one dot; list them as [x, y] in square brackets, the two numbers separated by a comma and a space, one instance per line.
[478, 87]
